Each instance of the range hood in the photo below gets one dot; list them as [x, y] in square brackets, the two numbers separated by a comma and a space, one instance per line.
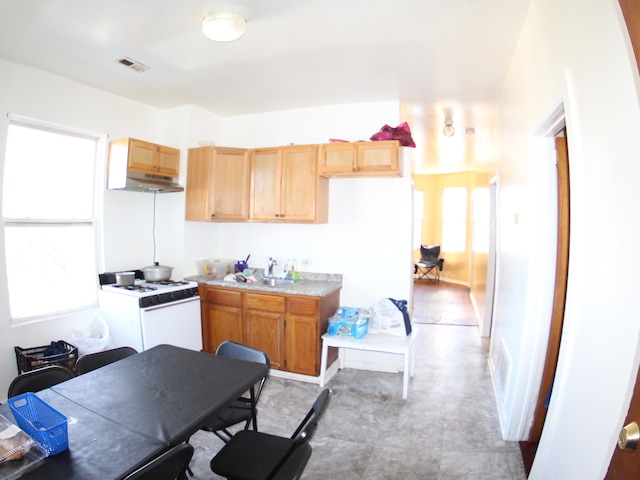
[124, 179]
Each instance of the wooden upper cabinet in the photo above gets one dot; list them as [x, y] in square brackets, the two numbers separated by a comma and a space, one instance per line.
[286, 187]
[360, 159]
[149, 157]
[217, 184]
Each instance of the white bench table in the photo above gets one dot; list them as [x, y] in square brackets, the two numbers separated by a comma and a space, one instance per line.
[375, 343]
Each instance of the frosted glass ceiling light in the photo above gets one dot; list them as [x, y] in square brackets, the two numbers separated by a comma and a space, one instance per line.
[448, 129]
[223, 26]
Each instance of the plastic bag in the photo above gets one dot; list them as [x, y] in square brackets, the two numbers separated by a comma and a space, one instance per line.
[390, 317]
[402, 133]
[96, 339]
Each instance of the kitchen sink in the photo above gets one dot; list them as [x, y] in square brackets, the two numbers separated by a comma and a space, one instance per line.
[277, 282]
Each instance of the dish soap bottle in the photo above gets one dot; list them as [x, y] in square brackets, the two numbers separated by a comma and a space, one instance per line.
[293, 275]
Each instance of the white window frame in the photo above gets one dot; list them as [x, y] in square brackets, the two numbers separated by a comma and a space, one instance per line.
[96, 220]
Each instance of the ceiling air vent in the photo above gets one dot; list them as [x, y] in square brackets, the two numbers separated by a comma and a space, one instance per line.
[133, 64]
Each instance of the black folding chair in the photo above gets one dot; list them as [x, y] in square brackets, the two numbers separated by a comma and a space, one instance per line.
[251, 455]
[171, 465]
[243, 409]
[430, 264]
[92, 361]
[39, 379]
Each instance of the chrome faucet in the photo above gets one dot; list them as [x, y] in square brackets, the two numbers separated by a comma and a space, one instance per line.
[270, 264]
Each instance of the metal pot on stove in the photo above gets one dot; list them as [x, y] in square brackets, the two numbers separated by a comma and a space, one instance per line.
[156, 272]
[125, 279]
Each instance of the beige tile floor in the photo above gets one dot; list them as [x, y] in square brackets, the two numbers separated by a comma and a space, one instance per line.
[446, 430]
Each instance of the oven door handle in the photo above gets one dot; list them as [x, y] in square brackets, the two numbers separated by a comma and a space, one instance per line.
[171, 304]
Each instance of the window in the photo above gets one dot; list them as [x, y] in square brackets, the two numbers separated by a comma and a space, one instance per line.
[49, 216]
[480, 229]
[454, 219]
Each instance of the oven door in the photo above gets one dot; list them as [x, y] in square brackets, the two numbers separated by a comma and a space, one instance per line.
[176, 323]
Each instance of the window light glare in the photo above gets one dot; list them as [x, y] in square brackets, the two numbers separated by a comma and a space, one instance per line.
[223, 26]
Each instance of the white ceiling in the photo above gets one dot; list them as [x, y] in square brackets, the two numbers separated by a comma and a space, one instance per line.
[427, 54]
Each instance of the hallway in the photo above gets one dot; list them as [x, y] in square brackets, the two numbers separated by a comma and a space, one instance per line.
[446, 430]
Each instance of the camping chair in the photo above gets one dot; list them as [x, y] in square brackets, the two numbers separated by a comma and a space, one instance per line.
[430, 264]
[92, 361]
[171, 465]
[39, 379]
[250, 454]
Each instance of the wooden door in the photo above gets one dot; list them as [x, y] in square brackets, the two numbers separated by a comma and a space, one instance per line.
[263, 331]
[198, 183]
[562, 267]
[626, 464]
[302, 345]
[338, 158]
[299, 183]
[230, 193]
[167, 161]
[142, 156]
[266, 177]
[378, 157]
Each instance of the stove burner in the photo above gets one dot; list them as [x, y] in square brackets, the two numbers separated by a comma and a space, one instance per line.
[167, 282]
[136, 288]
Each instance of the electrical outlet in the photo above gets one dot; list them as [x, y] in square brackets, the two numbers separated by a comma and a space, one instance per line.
[305, 263]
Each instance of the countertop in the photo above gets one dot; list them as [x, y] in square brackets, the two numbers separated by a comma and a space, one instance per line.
[310, 284]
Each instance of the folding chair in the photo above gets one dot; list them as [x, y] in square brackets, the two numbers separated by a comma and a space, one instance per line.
[430, 264]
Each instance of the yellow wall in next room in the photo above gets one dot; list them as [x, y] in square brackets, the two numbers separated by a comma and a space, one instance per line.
[458, 266]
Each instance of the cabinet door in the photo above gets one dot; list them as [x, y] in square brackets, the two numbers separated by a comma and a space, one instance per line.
[378, 157]
[263, 330]
[302, 345]
[338, 158]
[142, 156]
[223, 323]
[198, 183]
[167, 161]
[300, 184]
[229, 195]
[265, 195]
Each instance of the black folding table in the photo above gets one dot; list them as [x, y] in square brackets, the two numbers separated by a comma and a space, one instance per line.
[124, 414]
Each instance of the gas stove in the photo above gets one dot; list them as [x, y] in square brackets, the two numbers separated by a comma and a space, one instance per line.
[145, 288]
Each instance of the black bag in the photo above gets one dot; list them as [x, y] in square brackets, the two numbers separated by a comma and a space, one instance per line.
[402, 306]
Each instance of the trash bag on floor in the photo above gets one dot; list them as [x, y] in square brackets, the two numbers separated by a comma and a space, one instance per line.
[94, 339]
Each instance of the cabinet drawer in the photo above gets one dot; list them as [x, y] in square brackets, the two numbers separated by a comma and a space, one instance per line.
[221, 296]
[302, 306]
[266, 303]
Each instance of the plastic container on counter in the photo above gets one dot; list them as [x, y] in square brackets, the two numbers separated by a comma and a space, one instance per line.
[19, 453]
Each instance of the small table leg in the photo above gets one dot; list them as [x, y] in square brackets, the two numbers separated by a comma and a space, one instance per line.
[405, 376]
[323, 363]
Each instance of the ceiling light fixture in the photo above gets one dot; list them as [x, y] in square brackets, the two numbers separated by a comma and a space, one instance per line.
[224, 25]
[448, 130]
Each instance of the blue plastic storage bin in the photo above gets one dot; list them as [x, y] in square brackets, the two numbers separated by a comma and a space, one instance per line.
[43, 423]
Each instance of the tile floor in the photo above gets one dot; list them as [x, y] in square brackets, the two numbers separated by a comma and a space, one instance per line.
[446, 430]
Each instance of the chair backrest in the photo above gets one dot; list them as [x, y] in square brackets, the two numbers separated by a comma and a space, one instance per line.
[301, 437]
[92, 361]
[309, 424]
[39, 379]
[429, 252]
[239, 351]
[168, 466]
[242, 352]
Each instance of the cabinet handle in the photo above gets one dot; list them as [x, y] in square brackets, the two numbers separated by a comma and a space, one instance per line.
[213, 215]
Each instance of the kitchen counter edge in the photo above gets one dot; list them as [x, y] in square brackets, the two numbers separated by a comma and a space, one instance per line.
[316, 285]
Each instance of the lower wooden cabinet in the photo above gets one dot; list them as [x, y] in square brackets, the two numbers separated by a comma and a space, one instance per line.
[286, 327]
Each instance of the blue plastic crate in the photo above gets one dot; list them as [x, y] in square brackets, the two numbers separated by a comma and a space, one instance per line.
[43, 423]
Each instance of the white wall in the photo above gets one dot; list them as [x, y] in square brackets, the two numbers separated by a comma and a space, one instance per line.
[368, 237]
[127, 215]
[577, 53]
